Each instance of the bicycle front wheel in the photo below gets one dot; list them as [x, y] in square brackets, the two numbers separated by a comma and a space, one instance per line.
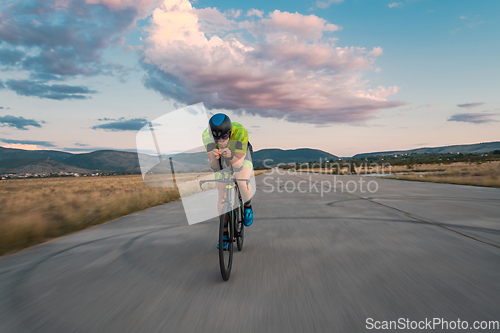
[226, 255]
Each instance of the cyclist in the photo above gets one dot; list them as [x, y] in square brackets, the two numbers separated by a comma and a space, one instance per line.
[230, 140]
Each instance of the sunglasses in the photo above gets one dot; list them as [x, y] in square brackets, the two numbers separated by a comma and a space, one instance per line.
[222, 138]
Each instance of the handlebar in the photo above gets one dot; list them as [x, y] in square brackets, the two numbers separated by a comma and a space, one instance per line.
[224, 181]
[221, 159]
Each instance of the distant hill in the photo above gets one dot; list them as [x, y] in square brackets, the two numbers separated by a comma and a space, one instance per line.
[195, 160]
[105, 160]
[301, 155]
[52, 161]
[182, 162]
[483, 147]
[29, 161]
[44, 161]
[44, 165]
[7, 153]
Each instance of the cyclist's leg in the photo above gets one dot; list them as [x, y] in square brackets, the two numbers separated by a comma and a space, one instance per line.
[245, 173]
[221, 189]
[246, 192]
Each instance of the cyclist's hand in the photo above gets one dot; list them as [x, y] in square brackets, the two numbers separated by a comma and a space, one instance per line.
[216, 153]
[226, 152]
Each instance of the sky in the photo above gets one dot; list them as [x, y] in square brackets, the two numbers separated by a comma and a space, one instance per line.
[344, 76]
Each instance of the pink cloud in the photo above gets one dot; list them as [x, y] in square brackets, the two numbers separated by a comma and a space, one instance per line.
[306, 26]
[256, 12]
[395, 5]
[234, 12]
[428, 105]
[120, 4]
[143, 7]
[22, 146]
[292, 71]
[327, 3]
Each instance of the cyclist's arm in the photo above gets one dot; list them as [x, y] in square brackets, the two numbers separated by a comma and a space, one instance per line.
[237, 160]
[234, 158]
[214, 162]
[240, 140]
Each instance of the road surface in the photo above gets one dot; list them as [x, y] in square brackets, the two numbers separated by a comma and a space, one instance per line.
[312, 262]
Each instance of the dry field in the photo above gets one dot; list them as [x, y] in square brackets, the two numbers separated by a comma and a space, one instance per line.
[485, 174]
[463, 173]
[35, 210]
[260, 172]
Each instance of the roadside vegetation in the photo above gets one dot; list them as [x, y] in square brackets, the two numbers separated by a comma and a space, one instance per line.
[478, 174]
[479, 169]
[35, 210]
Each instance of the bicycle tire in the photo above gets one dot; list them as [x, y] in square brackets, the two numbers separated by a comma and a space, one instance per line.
[240, 226]
[226, 256]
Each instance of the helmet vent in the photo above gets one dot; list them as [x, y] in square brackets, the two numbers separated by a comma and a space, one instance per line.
[220, 124]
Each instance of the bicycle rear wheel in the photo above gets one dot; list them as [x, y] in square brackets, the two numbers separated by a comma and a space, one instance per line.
[226, 255]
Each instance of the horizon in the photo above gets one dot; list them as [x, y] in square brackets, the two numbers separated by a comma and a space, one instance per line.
[341, 76]
[135, 150]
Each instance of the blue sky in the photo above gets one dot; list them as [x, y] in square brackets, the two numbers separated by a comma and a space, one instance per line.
[343, 76]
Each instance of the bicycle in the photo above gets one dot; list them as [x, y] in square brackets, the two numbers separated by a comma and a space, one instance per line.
[234, 216]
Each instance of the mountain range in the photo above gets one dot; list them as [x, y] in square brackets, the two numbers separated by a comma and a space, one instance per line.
[52, 161]
[483, 147]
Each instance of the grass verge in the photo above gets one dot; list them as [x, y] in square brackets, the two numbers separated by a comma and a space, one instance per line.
[484, 174]
[35, 210]
[475, 181]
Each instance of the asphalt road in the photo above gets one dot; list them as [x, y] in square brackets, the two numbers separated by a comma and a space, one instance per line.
[312, 262]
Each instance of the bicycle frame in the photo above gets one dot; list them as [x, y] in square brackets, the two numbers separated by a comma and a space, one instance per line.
[228, 227]
[230, 184]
